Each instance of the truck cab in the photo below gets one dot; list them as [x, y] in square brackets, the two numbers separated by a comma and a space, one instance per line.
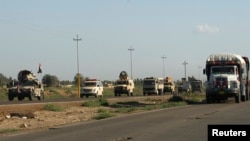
[196, 85]
[124, 86]
[227, 76]
[169, 85]
[91, 87]
[153, 85]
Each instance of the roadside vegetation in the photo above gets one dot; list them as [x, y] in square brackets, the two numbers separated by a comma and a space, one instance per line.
[8, 130]
[108, 109]
[53, 107]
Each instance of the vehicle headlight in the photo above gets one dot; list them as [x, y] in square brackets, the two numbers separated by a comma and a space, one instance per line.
[234, 84]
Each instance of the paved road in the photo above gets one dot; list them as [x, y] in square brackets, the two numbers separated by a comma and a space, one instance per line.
[188, 123]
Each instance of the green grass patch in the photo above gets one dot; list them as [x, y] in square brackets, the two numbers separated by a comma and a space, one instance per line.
[126, 110]
[8, 130]
[53, 92]
[102, 114]
[3, 94]
[52, 107]
[96, 103]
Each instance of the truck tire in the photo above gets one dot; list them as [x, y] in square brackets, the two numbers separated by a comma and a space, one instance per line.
[116, 94]
[30, 96]
[41, 97]
[243, 98]
[20, 97]
[237, 99]
[10, 97]
[209, 99]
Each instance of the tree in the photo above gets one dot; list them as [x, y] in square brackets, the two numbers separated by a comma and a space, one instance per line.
[76, 79]
[191, 78]
[3, 80]
[50, 80]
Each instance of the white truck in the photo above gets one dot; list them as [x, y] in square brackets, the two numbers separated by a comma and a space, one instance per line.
[153, 85]
[91, 87]
[124, 85]
[26, 86]
[227, 76]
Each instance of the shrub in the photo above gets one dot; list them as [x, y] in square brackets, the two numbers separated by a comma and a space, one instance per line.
[96, 103]
[52, 107]
[102, 114]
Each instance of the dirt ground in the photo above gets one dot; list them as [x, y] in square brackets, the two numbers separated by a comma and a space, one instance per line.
[27, 117]
[30, 117]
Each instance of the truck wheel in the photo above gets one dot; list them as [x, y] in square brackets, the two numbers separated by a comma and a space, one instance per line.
[243, 98]
[20, 98]
[41, 97]
[237, 99]
[10, 97]
[209, 99]
[30, 96]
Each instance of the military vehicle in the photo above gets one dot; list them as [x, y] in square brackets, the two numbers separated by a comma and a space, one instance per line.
[153, 85]
[26, 86]
[124, 85]
[169, 85]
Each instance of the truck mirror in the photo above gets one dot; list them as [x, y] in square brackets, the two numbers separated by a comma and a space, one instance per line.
[204, 71]
[242, 70]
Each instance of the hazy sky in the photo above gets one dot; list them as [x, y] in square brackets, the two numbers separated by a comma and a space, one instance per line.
[42, 31]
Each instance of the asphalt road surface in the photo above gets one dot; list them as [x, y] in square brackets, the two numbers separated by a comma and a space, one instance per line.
[187, 123]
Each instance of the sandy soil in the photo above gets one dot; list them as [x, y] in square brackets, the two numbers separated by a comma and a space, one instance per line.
[29, 117]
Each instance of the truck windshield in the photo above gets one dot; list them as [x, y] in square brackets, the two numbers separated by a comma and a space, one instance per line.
[28, 83]
[148, 82]
[90, 84]
[122, 82]
[223, 70]
[167, 83]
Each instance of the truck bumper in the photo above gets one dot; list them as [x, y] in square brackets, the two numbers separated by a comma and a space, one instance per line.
[88, 94]
[222, 93]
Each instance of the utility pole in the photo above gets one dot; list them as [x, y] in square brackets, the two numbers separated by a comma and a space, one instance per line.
[199, 71]
[185, 63]
[78, 71]
[131, 49]
[163, 58]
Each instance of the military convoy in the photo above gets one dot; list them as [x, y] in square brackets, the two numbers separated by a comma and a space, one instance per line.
[26, 86]
[227, 76]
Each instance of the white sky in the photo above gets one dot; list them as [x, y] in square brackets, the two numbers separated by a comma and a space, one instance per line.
[42, 31]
